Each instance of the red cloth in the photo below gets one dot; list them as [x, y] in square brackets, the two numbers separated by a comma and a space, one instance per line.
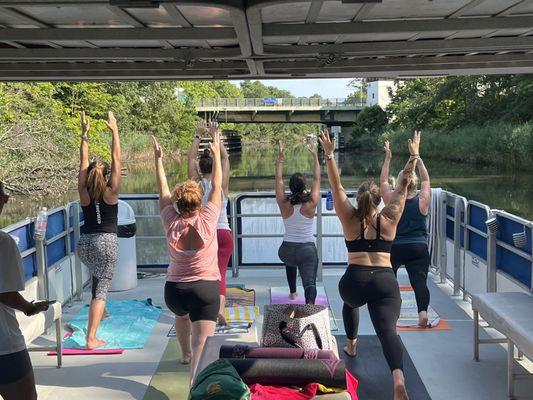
[351, 385]
[225, 248]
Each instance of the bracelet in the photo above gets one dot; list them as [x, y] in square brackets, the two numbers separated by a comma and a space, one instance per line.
[414, 155]
[279, 161]
[198, 137]
[84, 137]
[329, 157]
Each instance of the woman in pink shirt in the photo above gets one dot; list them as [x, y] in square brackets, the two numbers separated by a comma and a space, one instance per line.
[191, 289]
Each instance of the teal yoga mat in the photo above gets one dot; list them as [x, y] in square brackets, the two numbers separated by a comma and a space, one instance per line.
[128, 327]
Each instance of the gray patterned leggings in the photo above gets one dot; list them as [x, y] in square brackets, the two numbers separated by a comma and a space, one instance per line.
[99, 252]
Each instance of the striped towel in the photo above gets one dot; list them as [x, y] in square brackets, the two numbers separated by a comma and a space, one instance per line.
[241, 314]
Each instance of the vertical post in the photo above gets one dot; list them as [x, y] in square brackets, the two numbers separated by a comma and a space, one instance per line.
[42, 270]
[77, 263]
[457, 246]
[491, 261]
[510, 365]
[319, 238]
[442, 239]
[476, 335]
[235, 256]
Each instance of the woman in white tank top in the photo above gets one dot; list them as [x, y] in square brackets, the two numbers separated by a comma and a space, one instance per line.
[200, 171]
[298, 250]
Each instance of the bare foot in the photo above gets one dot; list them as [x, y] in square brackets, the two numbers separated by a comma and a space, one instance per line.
[185, 359]
[350, 348]
[293, 296]
[400, 393]
[221, 320]
[423, 319]
[95, 343]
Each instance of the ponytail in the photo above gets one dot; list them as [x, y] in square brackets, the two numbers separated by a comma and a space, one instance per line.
[97, 180]
[368, 199]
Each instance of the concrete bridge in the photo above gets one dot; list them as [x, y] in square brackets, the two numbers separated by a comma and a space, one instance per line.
[331, 112]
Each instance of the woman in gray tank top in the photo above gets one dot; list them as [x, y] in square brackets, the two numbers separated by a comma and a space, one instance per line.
[410, 247]
[298, 250]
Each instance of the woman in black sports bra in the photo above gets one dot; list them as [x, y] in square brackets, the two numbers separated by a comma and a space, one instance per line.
[369, 278]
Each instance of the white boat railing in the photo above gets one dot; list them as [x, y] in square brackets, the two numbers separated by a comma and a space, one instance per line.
[473, 257]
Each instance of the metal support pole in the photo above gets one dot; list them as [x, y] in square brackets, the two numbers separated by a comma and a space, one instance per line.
[510, 366]
[42, 270]
[457, 247]
[319, 239]
[491, 261]
[476, 335]
[442, 239]
[235, 256]
[77, 263]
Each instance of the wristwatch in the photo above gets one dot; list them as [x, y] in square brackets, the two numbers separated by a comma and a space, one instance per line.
[198, 137]
[329, 157]
[85, 137]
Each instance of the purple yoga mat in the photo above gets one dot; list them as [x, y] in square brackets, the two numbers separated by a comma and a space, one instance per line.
[280, 295]
[243, 351]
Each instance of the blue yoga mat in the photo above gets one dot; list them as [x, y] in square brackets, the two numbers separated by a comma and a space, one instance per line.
[128, 327]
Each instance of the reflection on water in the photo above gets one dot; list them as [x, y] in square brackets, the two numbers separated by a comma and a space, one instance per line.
[253, 170]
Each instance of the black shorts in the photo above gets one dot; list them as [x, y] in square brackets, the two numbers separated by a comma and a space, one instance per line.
[14, 367]
[199, 299]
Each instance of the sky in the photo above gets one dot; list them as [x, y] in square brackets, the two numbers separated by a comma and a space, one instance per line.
[329, 88]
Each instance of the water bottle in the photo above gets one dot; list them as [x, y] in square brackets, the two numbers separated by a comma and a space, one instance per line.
[329, 200]
[40, 224]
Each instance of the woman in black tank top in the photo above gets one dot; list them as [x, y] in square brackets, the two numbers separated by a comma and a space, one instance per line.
[98, 187]
[369, 279]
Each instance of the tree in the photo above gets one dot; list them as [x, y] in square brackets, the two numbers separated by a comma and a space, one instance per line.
[369, 124]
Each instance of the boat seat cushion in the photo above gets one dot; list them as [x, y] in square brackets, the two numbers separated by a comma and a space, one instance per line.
[33, 327]
[511, 314]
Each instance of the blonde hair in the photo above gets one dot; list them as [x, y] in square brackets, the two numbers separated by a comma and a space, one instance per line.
[368, 199]
[97, 181]
[413, 182]
[188, 197]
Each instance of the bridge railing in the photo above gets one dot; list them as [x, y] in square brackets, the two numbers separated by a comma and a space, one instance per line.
[279, 102]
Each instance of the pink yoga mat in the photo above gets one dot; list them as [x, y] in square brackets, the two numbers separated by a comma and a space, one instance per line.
[83, 352]
[280, 295]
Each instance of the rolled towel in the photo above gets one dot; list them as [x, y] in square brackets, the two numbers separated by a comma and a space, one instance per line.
[293, 372]
[243, 351]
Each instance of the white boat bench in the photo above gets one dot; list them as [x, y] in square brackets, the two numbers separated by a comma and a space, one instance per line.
[511, 314]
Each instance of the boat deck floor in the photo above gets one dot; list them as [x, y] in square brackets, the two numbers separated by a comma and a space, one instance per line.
[443, 358]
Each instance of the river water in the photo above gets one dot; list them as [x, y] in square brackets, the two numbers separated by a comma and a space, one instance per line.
[253, 170]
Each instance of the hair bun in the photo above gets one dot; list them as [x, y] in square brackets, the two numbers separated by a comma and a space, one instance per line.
[206, 153]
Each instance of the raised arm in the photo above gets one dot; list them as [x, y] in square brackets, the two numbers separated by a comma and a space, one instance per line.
[393, 211]
[84, 161]
[164, 192]
[315, 188]
[224, 157]
[192, 158]
[384, 187]
[343, 207]
[215, 196]
[425, 187]
[116, 158]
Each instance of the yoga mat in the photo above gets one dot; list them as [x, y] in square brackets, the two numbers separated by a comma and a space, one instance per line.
[241, 314]
[280, 295]
[409, 313]
[128, 327]
[373, 373]
[82, 352]
[295, 372]
[238, 296]
[231, 329]
[244, 351]
[171, 379]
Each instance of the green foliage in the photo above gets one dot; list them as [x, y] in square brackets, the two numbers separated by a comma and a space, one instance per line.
[369, 124]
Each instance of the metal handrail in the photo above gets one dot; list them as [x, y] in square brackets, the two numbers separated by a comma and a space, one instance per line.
[278, 102]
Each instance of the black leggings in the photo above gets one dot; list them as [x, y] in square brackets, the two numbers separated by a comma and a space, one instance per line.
[301, 257]
[377, 287]
[415, 257]
[199, 299]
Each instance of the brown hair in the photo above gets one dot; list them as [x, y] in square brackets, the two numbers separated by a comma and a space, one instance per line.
[97, 179]
[298, 193]
[206, 162]
[368, 199]
[188, 197]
